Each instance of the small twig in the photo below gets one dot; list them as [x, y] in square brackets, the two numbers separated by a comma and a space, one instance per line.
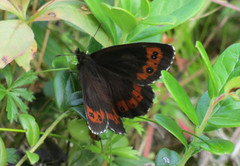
[226, 4]
[40, 58]
[206, 14]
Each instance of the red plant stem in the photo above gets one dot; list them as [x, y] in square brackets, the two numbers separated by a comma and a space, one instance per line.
[148, 141]
[226, 5]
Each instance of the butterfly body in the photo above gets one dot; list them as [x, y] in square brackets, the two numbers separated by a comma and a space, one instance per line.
[116, 82]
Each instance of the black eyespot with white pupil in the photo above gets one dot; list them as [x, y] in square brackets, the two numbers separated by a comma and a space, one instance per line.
[149, 70]
[154, 55]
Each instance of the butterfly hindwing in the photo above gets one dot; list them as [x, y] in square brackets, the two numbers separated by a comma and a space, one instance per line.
[139, 62]
[129, 99]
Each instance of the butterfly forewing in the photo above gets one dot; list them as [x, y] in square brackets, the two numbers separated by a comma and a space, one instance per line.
[139, 62]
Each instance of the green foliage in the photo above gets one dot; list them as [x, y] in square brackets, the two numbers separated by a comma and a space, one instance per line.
[166, 157]
[12, 157]
[25, 34]
[15, 95]
[33, 157]
[32, 130]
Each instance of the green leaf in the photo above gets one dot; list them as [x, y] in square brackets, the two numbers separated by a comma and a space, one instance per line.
[166, 157]
[32, 130]
[61, 62]
[126, 152]
[20, 103]
[2, 92]
[202, 106]
[107, 24]
[79, 130]
[33, 157]
[63, 85]
[182, 10]
[227, 114]
[144, 8]
[212, 88]
[216, 146]
[23, 93]
[69, 11]
[180, 96]
[3, 155]
[17, 35]
[227, 66]
[8, 74]
[11, 109]
[171, 126]
[159, 20]
[124, 19]
[121, 161]
[133, 6]
[24, 79]
[12, 156]
[232, 84]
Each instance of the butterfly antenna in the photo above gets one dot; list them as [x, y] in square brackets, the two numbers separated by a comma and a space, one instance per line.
[94, 36]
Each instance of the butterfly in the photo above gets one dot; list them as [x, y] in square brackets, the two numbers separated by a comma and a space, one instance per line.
[116, 82]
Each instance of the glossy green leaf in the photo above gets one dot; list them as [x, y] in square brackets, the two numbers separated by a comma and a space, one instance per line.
[180, 96]
[33, 157]
[133, 6]
[17, 35]
[227, 114]
[159, 20]
[171, 126]
[144, 8]
[232, 84]
[3, 155]
[61, 62]
[69, 11]
[24, 79]
[227, 66]
[107, 24]
[212, 89]
[202, 106]
[216, 146]
[12, 156]
[166, 157]
[124, 19]
[32, 130]
[182, 10]
[63, 85]
[11, 109]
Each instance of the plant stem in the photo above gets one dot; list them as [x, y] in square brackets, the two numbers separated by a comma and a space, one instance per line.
[200, 130]
[44, 136]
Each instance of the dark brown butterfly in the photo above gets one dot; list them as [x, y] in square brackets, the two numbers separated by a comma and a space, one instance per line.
[116, 82]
